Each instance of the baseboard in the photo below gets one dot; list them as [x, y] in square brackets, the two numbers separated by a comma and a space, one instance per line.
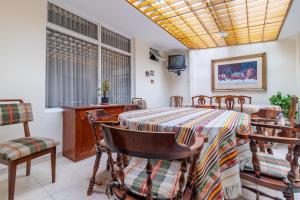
[4, 168]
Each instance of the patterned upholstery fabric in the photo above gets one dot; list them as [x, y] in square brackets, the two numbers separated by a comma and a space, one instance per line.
[19, 148]
[15, 113]
[165, 181]
[141, 103]
[270, 165]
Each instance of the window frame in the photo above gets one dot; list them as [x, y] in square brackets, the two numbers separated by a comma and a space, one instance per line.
[97, 42]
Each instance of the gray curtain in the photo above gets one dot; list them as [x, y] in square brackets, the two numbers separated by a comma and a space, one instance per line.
[116, 69]
[71, 71]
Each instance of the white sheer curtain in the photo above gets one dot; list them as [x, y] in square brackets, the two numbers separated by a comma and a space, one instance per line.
[71, 71]
[116, 69]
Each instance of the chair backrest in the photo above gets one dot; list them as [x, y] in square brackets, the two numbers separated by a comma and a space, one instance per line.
[152, 145]
[131, 107]
[218, 100]
[135, 100]
[96, 118]
[144, 144]
[178, 101]
[293, 110]
[15, 113]
[242, 97]
[229, 101]
[202, 100]
[242, 101]
[140, 102]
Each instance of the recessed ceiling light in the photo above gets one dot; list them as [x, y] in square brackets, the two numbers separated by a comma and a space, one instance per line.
[223, 34]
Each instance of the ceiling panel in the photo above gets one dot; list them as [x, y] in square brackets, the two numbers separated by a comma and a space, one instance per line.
[198, 23]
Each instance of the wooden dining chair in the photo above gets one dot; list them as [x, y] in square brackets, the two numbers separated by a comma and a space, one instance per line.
[131, 107]
[25, 149]
[291, 122]
[229, 101]
[202, 102]
[96, 118]
[271, 116]
[242, 101]
[242, 97]
[176, 101]
[269, 170]
[140, 102]
[217, 100]
[158, 167]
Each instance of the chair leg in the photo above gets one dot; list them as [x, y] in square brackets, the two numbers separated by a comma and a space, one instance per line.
[125, 160]
[11, 180]
[107, 165]
[95, 169]
[288, 194]
[53, 164]
[28, 167]
[290, 152]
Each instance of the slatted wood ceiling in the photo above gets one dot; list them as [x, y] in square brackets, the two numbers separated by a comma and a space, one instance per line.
[197, 23]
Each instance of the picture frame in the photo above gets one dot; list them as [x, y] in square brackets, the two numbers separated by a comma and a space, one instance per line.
[241, 73]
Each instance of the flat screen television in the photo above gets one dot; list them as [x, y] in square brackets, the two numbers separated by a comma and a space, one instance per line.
[176, 63]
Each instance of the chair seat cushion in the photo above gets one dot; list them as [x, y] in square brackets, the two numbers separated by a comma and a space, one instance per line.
[165, 177]
[21, 147]
[270, 165]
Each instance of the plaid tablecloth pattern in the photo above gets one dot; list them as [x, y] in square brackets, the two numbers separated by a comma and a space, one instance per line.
[218, 167]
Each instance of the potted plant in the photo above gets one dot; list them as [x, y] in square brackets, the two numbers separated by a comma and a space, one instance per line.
[105, 89]
[284, 101]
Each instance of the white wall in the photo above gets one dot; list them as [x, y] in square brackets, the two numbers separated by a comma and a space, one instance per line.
[281, 68]
[22, 65]
[158, 93]
[178, 84]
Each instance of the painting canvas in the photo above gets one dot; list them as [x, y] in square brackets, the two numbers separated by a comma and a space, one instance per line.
[239, 73]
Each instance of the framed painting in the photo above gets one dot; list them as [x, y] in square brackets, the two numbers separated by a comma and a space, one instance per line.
[239, 73]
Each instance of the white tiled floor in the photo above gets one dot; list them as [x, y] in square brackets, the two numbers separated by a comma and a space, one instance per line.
[71, 182]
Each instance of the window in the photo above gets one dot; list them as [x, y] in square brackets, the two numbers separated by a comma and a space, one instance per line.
[116, 69]
[72, 63]
[65, 19]
[71, 71]
[115, 65]
[115, 40]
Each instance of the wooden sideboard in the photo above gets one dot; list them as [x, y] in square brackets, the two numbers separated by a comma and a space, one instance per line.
[78, 141]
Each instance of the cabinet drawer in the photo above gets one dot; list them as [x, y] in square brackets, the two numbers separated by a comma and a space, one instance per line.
[114, 111]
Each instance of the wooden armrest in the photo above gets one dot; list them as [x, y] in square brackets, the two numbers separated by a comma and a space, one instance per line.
[265, 138]
[258, 119]
[271, 126]
[199, 141]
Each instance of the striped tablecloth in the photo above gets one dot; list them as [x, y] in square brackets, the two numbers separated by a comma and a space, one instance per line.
[218, 167]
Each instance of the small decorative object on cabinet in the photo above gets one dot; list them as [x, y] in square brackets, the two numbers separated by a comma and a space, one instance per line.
[105, 89]
[78, 141]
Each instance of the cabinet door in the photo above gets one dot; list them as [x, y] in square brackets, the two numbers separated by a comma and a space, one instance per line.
[85, 137]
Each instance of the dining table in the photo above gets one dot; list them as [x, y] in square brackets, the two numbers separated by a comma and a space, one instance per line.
[217, 174]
